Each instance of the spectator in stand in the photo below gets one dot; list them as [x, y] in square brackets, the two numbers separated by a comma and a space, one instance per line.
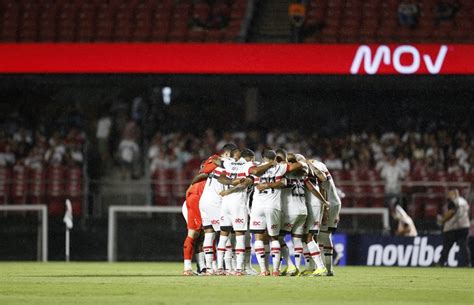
[35, 158]
[128, 153]
[392, 175]
[408, 13]
[332, 162]
[445, 11]
[404, 163]
[7, 157]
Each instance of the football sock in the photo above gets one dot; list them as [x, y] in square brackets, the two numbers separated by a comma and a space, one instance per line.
[276, 254]
[298, 251]
[208, 249]
[260, 253]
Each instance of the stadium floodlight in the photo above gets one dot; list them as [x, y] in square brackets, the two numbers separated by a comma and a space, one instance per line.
[113, 210]
[43, 213]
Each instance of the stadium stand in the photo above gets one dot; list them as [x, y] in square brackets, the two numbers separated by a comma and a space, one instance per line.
[121, 20]
[332, 21]
[355, 162]
[327, 21]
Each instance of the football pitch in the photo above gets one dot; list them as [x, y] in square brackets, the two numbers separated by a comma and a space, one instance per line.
[161, 283]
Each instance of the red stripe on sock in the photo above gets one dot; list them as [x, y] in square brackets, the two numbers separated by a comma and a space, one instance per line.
[276, 249]
[299, 249]
[220, 249]
[315, 253]
[239, 250]
[259, 249]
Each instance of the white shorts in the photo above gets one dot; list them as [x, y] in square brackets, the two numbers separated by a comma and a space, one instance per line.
[234, 214]
[333, 218]
[210, 214]
[264, 218]
[184, 210]
[293, 223]
[313, 221]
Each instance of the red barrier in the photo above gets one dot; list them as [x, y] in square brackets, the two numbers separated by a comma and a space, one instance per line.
[344, 59]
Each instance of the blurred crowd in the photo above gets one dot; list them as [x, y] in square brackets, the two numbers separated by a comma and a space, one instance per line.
[409, 151]
[38, 146]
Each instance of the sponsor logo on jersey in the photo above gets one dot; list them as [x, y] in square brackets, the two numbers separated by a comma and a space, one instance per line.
[239, 220]
[289, 225]
[274, 226]
[215, 221]
[256, 223]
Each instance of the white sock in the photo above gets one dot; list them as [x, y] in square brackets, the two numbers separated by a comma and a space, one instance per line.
[200, 260]
[310, 266]
[208, 249]
[260, 253]
[285, 254]
[315, 253]
[267, 256]
[228, 255]
[327, 250]
[240, 251]
[297, 242]
[221, 251]
[276, 254]
[248, 250]
[187, 265]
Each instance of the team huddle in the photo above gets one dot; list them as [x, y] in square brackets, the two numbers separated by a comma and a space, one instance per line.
[233, 197]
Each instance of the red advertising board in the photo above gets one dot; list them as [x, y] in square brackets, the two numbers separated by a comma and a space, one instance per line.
[343, 59]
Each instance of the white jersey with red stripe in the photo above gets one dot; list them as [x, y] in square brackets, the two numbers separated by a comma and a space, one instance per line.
[328, 186]
[237, 169]
[270, 198]
[212, 189]
[293, 200]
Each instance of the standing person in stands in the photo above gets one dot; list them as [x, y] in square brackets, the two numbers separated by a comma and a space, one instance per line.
[456, 228]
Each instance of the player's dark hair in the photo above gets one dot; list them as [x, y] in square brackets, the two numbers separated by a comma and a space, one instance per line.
[234, 152]
[291, 157]
[247, 153]
[269, 154]
[281, 154]
[229, 147]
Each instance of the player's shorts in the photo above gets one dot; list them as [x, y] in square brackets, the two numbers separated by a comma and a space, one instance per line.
[234, 214]
[313, 220]
[333, 218]
[194, 215]
[265, 218]
[210, 214]
[293, 223]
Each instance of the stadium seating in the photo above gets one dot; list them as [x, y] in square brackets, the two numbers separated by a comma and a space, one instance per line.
[121, 20]
[52, 185]
[369, 21]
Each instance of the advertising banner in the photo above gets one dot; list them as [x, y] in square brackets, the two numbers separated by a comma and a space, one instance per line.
[213, 58]
[421, 251]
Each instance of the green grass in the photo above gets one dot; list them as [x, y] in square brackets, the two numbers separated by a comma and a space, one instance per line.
[161, 283]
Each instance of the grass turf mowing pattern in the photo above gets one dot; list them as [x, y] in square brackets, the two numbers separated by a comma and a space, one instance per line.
[162, 283]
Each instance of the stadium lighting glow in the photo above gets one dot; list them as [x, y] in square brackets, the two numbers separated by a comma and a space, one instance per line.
[166, 91]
